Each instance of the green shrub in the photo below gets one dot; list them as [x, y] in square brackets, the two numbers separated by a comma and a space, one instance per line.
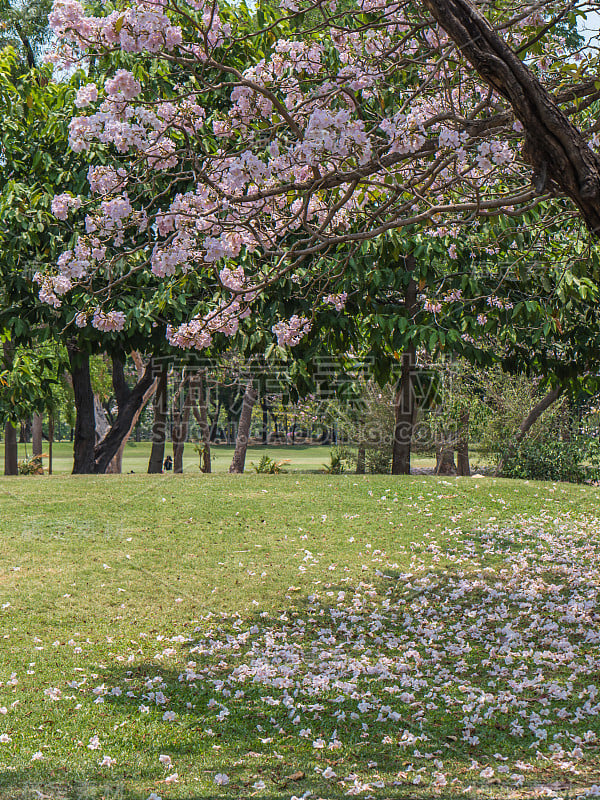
[31, 466]
[268, 466]
[378, 460]
[553, 460]
[341, 459]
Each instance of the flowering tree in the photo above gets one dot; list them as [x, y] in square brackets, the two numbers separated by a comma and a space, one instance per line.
[291, 132]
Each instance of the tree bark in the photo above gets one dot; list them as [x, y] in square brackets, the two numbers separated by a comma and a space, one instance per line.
[360, 459]
[122, 392]
[201, 415]
[243, 432]
[404, 410]
[181, 418]
[11, 452]
[36, 435]
[537, 411]
[11, 447]
[265, 422]
[116, 465]
[101, 423]
[131, 402]
[444, 455]
[50, 440]
[560, 157]
[25, 431]
[462, 450]
[159, 425]
[85, 426]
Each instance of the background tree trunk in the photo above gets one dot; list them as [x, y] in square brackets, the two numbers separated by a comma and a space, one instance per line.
[360, 459]
[11, 452]
[405, 403]
[404, 415]
[36, 435]
[201, 415]
[85, 426]
[101, 423]
[531, 418]
[181, 416]
[462, 450]
[243, 433]
[444, 454]
[50, 440]
[159, 425]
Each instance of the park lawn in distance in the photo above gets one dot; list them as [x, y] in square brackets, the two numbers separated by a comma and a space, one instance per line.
[299, 458]
[269, 636]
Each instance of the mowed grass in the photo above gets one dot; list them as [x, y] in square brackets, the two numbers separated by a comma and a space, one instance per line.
[300, 458]
[339, 635]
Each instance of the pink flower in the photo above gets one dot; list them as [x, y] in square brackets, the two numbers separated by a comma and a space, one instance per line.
[86, 94]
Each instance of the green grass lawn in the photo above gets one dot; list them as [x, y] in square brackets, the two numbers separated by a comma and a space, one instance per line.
[301, 458]
[339, 635]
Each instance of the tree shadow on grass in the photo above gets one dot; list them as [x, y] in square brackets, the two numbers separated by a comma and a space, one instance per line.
[276, 754]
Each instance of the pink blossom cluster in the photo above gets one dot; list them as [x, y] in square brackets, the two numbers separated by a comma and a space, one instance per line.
[177, 254]
[405, 131]
[433, 306]
[122, 86]
[63, 203]
[104, 179]
[336, 300]
[498, 302]
[490, 153]
[199, 332]
[291, 148]
[292, 332]
[333, 134]
[52, 287]
[86, 95]
[139, 28]
[108, 321]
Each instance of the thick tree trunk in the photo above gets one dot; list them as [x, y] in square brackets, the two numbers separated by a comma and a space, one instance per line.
[404, 415]
[85, 426]
[243, 433]
[561, 159]
[129, 402]
[122, 393]
[462, 450]
[11, 448]
[116, 465]
[36, 435]
[159, 426]
[404, 410]
[11, 451]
